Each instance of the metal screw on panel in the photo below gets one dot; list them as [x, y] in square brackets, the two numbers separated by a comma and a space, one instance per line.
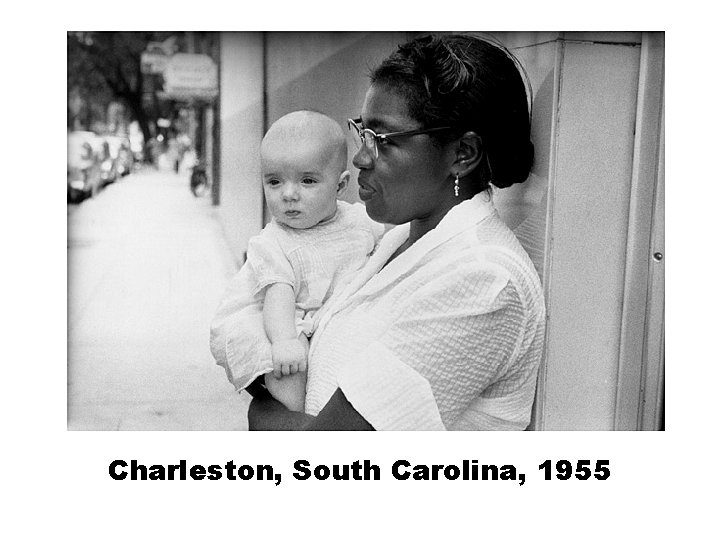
[658, 256]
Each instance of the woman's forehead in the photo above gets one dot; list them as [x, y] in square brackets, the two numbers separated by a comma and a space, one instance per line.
[385, 110]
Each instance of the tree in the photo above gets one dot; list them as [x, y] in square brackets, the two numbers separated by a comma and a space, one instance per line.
[103, 66]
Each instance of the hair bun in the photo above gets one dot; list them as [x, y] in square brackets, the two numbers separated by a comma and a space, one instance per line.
[516, 167]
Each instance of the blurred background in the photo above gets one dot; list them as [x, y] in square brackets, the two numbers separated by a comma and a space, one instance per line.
[147, 260]
[164, 192]
[138, 98]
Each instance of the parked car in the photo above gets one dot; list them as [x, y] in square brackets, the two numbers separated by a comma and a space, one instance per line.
[84, 178]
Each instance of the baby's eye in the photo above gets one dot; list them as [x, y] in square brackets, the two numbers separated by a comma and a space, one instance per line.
[272, 182]
[308, 180]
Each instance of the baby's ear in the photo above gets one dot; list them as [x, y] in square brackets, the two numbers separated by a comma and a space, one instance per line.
[343, 183]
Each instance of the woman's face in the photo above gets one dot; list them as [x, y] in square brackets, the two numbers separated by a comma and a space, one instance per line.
[410, 179]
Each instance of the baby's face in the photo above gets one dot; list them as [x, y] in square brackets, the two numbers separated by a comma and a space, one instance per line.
[300, 184]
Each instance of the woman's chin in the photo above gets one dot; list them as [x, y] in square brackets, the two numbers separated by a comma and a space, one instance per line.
[379, 215]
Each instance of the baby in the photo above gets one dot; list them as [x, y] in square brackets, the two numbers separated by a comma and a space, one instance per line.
[311, 248]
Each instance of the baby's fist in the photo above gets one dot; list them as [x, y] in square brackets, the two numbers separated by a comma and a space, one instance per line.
[289, 356]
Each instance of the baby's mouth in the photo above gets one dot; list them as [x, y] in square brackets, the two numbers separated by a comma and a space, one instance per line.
[292, 213]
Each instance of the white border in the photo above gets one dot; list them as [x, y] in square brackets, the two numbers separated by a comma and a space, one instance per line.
[56, 480]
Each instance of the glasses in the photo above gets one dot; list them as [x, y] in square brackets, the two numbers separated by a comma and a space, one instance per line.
[372, 140]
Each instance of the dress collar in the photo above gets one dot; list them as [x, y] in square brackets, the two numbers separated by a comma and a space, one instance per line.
[459, 218]
[373, 276]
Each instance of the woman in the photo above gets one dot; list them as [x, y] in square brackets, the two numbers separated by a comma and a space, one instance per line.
[444, 327]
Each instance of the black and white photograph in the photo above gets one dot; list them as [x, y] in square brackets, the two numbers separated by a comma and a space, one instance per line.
[365, 230]
[440, 223]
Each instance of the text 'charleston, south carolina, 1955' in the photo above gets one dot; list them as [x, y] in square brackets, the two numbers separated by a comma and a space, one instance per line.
[401, 469]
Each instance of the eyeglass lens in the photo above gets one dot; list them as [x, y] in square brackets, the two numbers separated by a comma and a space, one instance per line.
[365, 137]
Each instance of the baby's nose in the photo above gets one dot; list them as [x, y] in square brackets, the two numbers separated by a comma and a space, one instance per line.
[290, 192]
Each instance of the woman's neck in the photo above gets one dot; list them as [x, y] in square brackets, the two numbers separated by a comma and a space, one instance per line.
[420, 227]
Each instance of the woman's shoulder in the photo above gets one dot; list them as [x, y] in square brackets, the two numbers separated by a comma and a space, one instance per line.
[498, 245]
[492, 238]
[491, 250]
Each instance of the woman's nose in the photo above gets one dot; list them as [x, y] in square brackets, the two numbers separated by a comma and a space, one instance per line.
[363, 158]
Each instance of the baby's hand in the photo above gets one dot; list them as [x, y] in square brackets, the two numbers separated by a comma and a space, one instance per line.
[289, 356]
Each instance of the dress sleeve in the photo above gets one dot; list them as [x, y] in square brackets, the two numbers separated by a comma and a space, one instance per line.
[388, 393]
[240, 346]
[267, 262]
[451, 340]
[237, 336]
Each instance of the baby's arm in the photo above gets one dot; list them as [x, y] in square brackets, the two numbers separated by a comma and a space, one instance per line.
[288, 353]
[290, 390]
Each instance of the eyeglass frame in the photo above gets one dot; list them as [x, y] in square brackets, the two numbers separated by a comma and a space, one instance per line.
[384, 137]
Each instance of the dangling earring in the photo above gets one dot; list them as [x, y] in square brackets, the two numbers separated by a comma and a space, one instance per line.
[457, 184]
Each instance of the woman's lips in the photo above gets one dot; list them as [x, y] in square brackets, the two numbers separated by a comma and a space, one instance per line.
[365, 193]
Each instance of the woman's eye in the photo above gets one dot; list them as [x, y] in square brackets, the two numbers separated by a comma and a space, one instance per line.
[382, 140]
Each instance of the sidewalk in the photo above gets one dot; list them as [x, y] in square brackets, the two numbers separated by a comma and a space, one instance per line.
[147, 265]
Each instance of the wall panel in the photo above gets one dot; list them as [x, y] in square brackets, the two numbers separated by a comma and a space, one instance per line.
[590, 181]
[241, 117]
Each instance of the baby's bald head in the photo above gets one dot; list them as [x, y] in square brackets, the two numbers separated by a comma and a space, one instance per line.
[308, 129]
[303, 159]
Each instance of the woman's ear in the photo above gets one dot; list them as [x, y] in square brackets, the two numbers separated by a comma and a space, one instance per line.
[343, 183]
[469, 153]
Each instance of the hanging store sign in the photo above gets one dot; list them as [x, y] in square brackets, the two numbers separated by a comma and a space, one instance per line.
[191, 76]
[153, 62]
[157, 54]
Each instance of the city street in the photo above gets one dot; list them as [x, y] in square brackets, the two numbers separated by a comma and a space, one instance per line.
[147, 265]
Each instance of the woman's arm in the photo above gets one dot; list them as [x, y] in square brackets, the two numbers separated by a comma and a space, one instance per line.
[266, 413]
[339, 415]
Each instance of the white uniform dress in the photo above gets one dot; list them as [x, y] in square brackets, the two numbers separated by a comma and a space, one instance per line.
[448, 335]
[316, 262]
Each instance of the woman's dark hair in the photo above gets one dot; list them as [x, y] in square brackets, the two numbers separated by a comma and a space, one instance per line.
[469, 84]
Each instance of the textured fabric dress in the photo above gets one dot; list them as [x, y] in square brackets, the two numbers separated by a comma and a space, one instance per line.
[448, 335]
[316, 262]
